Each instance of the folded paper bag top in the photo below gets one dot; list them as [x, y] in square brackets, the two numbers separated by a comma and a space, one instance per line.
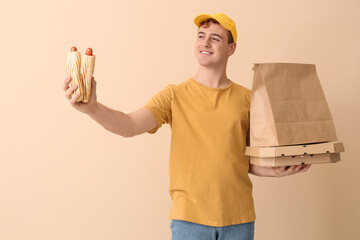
[288, 106]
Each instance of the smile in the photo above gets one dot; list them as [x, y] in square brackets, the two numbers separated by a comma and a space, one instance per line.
[206, 52]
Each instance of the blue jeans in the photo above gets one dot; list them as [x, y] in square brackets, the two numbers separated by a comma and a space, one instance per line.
[184, 230]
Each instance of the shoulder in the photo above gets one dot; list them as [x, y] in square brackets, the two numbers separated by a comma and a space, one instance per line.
[244, 91]
[241, 88]
[177, 88]
[169, 91]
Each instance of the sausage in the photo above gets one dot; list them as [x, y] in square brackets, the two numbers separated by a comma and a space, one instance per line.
[89, 52]
[73, 49]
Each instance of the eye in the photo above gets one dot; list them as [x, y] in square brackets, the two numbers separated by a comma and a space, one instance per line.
[200, 36]
[216, 39]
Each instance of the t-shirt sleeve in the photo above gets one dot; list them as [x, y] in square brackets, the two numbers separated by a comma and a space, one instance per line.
[160, 106]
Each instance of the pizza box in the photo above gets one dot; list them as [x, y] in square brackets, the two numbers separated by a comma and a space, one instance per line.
[328, 152]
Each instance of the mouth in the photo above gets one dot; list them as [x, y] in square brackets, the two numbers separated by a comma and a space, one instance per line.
[206, 52]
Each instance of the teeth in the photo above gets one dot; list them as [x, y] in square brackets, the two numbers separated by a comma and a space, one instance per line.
[206, 53]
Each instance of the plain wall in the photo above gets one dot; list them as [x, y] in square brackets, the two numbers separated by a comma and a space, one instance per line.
[62, 176]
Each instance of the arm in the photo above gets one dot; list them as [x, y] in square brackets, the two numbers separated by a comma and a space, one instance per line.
[126, 125]
[277, 171]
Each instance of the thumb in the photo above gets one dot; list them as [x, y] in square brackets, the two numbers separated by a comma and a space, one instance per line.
[93, 89]
[93, 85]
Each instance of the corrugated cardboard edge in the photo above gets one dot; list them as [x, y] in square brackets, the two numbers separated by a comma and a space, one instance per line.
[296, 160]
[295, 150]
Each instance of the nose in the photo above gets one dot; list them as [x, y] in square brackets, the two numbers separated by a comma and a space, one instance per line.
[207, 42]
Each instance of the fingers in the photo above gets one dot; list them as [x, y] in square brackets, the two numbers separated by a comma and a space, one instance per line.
[69, 94]
[294, 169]
[69, 91]
[305, 168]
[66, 83]
[298, 168]
[74, 98]
[302, 168]
[290, 170]
[282, 171]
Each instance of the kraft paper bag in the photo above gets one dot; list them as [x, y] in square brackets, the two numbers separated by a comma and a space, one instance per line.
[288, 106]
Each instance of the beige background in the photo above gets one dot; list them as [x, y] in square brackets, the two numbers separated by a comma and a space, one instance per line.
[62, 176]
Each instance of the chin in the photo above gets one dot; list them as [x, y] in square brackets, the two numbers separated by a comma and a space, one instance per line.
[203, 62]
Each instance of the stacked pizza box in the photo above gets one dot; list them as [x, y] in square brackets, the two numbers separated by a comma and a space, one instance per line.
[290, 120]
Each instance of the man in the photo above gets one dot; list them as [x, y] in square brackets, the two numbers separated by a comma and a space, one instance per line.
[209, 119]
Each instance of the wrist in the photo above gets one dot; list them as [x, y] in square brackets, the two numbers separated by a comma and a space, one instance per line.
[93, 108]
[269, 172]
[260, 171]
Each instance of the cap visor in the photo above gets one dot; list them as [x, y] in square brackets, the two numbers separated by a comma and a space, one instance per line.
[200, 18]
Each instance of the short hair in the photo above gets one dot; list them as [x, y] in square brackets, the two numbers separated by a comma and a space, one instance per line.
[205, 24]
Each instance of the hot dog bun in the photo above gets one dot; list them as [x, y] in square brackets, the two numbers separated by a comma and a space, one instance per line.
[73, 63]
[86, 72]
[80, 69]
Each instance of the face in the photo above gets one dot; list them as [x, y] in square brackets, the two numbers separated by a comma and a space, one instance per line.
[212, 47]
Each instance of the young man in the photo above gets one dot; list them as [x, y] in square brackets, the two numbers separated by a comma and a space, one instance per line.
[209, 118]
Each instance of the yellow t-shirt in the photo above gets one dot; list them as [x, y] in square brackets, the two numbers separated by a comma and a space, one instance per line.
[209, 181]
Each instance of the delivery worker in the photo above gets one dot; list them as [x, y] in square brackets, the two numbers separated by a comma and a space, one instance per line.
[209, 115]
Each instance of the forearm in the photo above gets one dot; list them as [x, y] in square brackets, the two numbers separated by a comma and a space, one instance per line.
[277, 171]
[112, 120]
[261, 171]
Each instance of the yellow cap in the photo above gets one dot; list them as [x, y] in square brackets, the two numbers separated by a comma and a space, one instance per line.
[224, 21]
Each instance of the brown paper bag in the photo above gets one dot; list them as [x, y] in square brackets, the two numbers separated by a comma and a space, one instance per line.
[288, 106]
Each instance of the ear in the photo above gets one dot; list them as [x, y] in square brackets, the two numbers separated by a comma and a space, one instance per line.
[232, 49]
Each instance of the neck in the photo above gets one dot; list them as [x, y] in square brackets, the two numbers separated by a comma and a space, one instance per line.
[212, 77]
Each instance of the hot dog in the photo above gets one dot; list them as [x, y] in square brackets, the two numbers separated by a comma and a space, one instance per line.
[86, 72]
[73, 63]
[80, 69]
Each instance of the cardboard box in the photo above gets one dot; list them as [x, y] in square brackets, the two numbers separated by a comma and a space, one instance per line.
[328, 152]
